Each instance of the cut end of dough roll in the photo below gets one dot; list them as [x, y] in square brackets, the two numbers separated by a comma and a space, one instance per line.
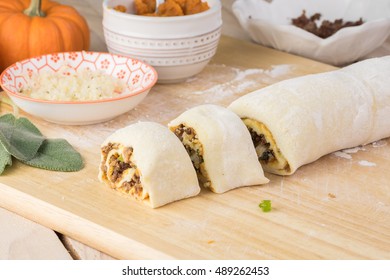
[147, 162]
[119, 172]
[220, 148]
[268, 153]
[188, 136]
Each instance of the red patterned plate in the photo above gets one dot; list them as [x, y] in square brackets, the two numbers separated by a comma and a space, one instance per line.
[137, 77]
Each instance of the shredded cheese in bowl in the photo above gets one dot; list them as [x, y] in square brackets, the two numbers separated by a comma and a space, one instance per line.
[68, 85]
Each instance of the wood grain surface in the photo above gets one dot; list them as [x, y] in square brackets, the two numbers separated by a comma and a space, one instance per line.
[335, 208]
[24, 239]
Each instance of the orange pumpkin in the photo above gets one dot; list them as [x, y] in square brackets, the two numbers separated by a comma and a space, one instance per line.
[30, 28]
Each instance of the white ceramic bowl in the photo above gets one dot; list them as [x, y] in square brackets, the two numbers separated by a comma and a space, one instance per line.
[177, 47]
[138, 76]
[270, 24]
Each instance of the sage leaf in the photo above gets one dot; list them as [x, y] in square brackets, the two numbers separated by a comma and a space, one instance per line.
[57, 155]
[5, 159]
[20, 137]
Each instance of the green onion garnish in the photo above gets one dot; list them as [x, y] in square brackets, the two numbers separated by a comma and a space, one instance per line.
[265, 205]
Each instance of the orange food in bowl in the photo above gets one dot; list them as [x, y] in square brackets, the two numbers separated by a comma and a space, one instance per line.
[120, 8]
[195, 6]
[145, 7]
[167, 9]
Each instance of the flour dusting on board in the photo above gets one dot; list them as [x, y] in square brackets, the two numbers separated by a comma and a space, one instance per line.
[379, 143]
[342, 155]
[243, 80]
[345, 154]
[366, 163]
[353, 150]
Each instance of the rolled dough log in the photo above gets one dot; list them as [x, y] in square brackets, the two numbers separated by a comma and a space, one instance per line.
[305, 118]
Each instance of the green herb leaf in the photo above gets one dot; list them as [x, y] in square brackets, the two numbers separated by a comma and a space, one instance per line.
[5, 158]
[20, 137]
[265, 205]
[57, 155]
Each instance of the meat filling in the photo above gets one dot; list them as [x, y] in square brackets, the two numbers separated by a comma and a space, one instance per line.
[189, 138]
[267, 151]
[120, 172]
[264, 153]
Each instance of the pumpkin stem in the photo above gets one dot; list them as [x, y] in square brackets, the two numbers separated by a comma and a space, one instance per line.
[35, 9]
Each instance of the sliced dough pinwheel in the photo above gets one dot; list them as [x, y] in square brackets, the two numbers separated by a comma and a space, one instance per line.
[146, 161]
[297, 121]
[219, 146]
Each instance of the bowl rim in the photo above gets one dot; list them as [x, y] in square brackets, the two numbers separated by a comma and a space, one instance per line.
[142, 18]
[35, 100]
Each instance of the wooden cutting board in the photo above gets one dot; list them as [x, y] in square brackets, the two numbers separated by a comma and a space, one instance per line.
[335, 208]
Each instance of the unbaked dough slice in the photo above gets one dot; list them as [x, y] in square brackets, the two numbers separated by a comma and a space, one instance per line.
[146, 161]
[219, 146]
[302, 119]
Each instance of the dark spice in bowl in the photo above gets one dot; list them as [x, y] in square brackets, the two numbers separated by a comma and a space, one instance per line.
[326, 29]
